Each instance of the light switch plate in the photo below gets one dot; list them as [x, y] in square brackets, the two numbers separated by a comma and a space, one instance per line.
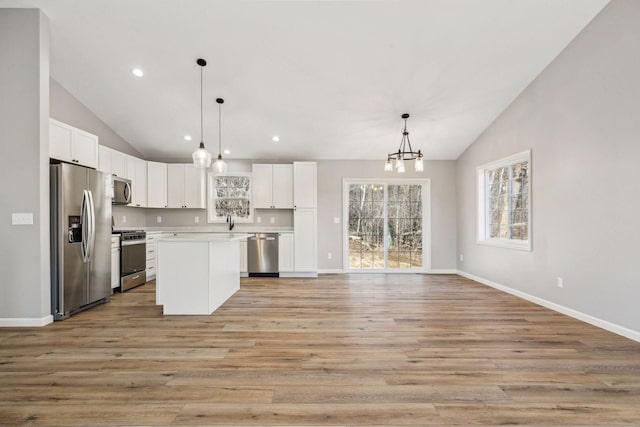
[197, 220]
[159, 219]
[22, 218]
[259, 219]
[273, 220]
[124, 219]
[336, 220]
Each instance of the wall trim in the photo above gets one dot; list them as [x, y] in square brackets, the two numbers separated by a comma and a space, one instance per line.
[442, 271]
[331, 271]
[587, 318]
[25, 322]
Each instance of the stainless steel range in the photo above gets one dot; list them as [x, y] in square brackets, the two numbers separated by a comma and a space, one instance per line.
[133, 259]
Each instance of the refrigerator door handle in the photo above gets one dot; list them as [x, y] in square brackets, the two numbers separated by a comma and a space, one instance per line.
[84, 220]
[92, 229]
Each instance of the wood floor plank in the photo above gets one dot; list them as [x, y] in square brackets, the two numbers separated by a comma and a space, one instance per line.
[337, 350]
[310, 414]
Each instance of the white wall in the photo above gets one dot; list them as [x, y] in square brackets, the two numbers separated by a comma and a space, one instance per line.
[67, 109]
[581, 119]
[24, 147]
[443, 207]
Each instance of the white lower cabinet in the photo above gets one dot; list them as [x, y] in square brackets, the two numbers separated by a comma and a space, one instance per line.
[115, 262]
[285, 253]
[151, 254]
[244, 266]
[304, 241]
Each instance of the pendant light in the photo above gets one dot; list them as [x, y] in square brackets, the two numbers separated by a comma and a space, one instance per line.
[405, 152]
[220, 166]
[201, 157]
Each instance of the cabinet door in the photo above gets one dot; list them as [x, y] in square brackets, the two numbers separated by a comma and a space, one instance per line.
[140, 182]
[115, 267]
[304, 241]
[285, 252]
[194, 187]
[304, 185]
[282, 194]
[262, 183]
[243, 257]
[104, 159]
[60, 137]
[119, 164]
[131, 174]
[85, 148]
[175, 185]
[156, 185]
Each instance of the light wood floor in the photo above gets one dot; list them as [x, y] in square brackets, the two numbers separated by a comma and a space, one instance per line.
[338, 350]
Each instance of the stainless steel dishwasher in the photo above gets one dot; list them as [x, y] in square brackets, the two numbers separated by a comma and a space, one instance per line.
[262, 255]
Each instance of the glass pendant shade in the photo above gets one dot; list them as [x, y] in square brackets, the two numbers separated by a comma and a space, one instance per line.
[400, 166]
[220, 166]
[201, 157]
[388, 166]
[419, 164]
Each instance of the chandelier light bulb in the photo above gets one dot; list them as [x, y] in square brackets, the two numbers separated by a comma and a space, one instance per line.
[388, 166]
[419, 164]
[400, 166]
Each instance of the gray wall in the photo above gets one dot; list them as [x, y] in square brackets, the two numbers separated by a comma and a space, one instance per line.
[67, 109]
[443, 207]
[581, 119]
[24, 149]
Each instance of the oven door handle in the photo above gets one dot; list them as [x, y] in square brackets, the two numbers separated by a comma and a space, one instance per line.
[132, 242]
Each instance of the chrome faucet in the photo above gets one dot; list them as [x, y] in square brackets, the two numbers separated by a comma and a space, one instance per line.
[230, 221]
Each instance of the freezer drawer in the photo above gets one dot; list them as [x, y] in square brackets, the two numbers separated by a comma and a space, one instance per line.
[262, 255]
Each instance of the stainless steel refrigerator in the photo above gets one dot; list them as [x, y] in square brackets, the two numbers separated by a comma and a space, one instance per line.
[80, 238]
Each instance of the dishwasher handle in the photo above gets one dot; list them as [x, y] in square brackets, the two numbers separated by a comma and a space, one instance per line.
[262, 238]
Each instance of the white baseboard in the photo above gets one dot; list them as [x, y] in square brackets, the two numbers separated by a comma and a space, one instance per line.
[331, 271]
[595, 321]
[442, 271]
[25, 322]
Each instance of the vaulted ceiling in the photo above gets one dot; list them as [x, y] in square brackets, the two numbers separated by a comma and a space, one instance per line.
[330, 78]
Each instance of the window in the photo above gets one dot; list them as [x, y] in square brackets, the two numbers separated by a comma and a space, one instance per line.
[229, 195]
[504, 202]
[384, 225]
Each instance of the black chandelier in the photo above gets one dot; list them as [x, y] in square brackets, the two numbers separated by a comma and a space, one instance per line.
[405, 152]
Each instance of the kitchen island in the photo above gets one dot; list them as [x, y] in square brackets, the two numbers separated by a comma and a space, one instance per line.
[196, 275]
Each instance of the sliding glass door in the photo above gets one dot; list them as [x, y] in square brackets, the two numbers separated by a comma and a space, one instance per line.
[385, 230]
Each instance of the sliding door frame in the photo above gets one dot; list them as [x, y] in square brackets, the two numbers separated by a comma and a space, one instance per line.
[426, 223]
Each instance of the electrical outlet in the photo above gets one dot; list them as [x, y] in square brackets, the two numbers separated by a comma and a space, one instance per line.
[159, 219]
[461, 258]
[336, 220]
[560, 282]
[329, 255]
[22, 219]
[259, 219]
[273, 220]
[124, 219]
[196, 219]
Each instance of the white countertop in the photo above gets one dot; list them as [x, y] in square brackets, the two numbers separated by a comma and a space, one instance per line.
[215, 237]
[237, 230]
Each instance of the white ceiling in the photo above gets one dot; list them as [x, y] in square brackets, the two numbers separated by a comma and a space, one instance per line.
[331, 78]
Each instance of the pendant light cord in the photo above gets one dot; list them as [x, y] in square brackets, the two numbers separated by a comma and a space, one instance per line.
[201, 132]
[219, 128]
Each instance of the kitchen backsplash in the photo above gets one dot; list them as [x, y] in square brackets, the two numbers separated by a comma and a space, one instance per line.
[125, 216]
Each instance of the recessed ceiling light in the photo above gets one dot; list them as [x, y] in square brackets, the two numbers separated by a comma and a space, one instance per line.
[187, 137]
[276, 138]
[137, 72]
[227, 152]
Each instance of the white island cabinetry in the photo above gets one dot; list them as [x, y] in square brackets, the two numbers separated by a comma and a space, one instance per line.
[197, 275]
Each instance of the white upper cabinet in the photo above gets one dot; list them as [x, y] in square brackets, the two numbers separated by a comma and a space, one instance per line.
[185, 186]
[72, 145]
[156, 185]
[112, 162]
[272, 186]
[119, 164]
[137, 171]
[304, 185]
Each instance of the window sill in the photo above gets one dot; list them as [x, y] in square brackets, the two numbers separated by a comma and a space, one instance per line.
[507, 244]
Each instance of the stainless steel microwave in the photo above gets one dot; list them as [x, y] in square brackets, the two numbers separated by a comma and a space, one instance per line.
[121, 191]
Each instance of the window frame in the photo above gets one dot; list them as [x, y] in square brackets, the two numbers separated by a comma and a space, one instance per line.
[426, 223]
[212, 196]
[481, 185]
